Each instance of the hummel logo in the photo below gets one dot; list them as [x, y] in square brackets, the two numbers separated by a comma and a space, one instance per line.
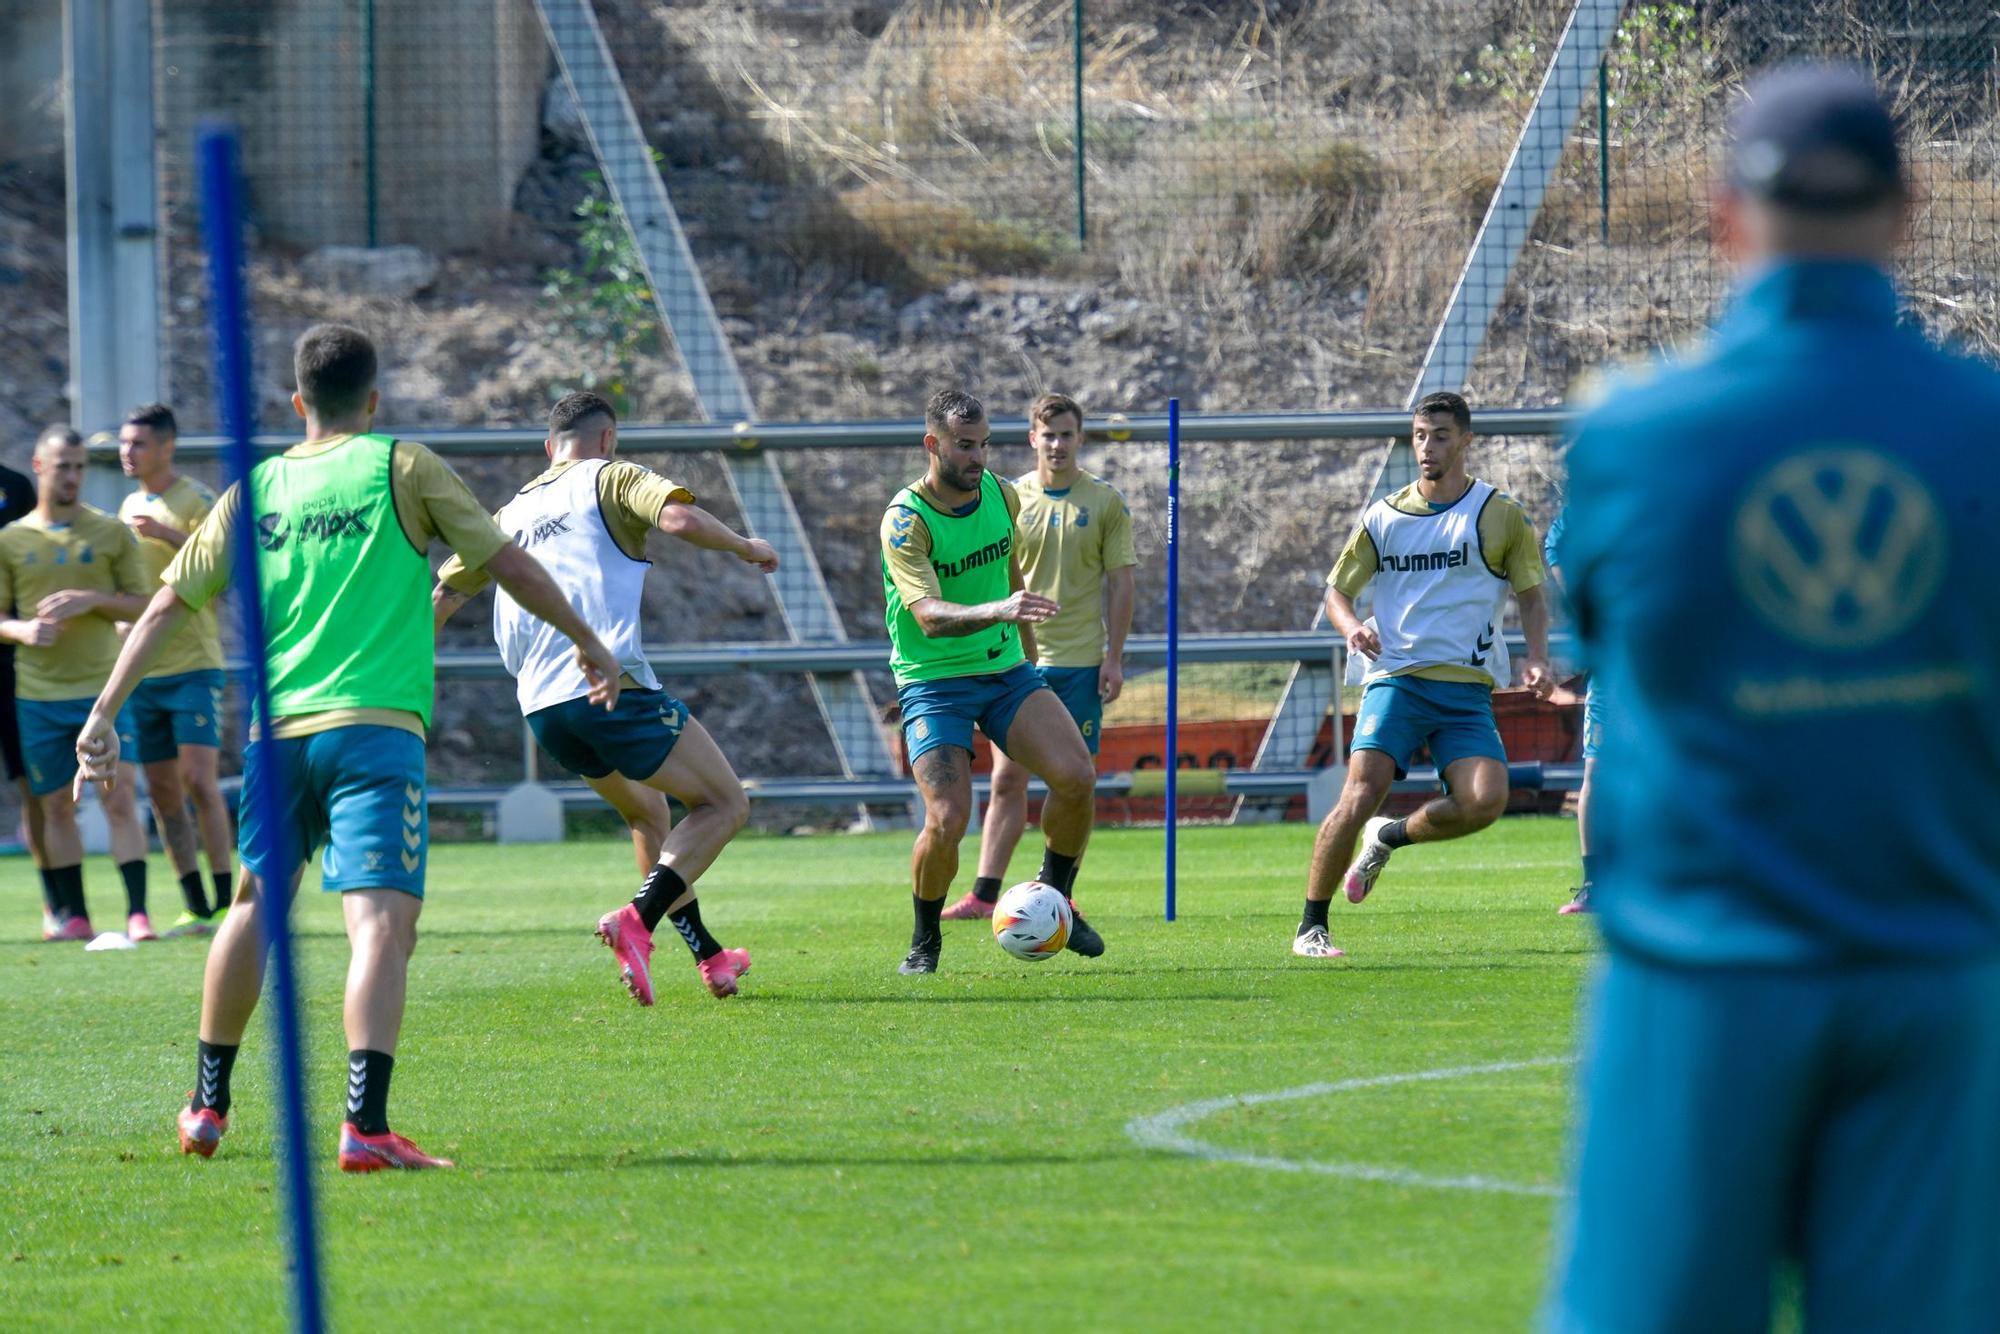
[211, 1076]
[687, 933]
[357, 1084]
[1482, 645]
[372, 860]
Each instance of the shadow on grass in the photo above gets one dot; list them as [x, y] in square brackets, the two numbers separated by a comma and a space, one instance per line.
[666, 1161]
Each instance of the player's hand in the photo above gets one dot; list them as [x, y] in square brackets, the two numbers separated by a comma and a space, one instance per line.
[1110, 680]
[1538, 679]
[763, 555]
[96, 756]
[145, 525]
[41, 632]
[600, 669]
[1025, 608]
[60, 606]
[1362, 639]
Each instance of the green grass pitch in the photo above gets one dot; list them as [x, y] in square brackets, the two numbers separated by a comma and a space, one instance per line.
[838, 1147]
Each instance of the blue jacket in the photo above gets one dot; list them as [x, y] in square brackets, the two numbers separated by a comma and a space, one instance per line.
[1782, 556]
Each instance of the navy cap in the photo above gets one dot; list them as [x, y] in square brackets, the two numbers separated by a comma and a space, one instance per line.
[1815, 138]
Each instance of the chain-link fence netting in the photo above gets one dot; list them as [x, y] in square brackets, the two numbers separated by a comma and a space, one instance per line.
[1261, 207]
[1248, 206]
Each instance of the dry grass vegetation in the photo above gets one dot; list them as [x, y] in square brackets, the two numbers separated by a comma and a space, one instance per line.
[1342, 147]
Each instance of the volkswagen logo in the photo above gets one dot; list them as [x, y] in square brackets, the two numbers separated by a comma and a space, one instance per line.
[1840, 547]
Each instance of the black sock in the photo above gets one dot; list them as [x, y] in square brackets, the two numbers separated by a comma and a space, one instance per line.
[687, 921]
[986, 889]
[1395, 834]
[1058, 870]
[213, 1063]
[927, 933]
[134, 875]
[1315, 915]
[368, 1090]
[1587, 859]
[52, 898]
[663, 885]
[68, 882]
[194, 894]
[224, 889]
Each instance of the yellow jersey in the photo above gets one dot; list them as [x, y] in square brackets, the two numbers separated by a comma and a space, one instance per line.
[1067, 540]
[182, 506]
[93, 551]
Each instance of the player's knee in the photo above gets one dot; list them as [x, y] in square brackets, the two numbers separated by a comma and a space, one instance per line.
[1010, 783]
[733, 804]
[1073, 782]
[946, 818]
[205, 792]
[1483, 807]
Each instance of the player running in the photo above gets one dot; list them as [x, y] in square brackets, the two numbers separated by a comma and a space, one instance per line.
[177, 709]
[1443, 553]
[958, 617]
[587, 519]
[68, 573]
[343, 521]
[1074, 545]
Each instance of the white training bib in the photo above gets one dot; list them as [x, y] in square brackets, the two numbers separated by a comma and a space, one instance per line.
[1436, 602]
[561, 524]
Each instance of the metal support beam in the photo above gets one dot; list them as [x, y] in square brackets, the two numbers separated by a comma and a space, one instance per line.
[1567, 87]
[114, 274]
[689, 315]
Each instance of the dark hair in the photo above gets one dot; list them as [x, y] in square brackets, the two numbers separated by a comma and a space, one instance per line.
[154, 417]
[335, 367]
[1444, 403]
[948, 406]
[68, 435]
[1050, 406]
[574, 409]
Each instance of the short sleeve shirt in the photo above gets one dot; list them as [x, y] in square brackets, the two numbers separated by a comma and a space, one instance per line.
[93, 551]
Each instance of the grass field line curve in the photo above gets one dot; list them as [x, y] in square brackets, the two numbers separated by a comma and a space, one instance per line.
[1166, 1131]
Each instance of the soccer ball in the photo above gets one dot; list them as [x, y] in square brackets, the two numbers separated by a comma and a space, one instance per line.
[1032, 921]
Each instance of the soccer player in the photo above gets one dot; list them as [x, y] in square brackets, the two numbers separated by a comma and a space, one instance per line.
[68, 573]
[343, 521]
[1593, 737]
[177, 709]
[1443, 553]
[1793, 1048]
[17, 499]
[587, 519]
[1074, 546]
[959, 623]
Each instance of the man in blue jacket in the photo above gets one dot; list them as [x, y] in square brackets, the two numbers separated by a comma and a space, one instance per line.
[1774, 551]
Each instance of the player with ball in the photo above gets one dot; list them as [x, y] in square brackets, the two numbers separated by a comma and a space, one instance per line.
[958, 615]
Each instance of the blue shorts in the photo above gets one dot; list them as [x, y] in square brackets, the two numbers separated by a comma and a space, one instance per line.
[941, 713]
[1732, 1118]
[1593, 719]
[635, 738]
[1455, 718]
[1076, 687]
[174, 711]
[49, 728]
[358, 790]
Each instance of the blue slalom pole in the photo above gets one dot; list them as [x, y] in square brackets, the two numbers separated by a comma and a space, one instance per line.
[222, 234]
[1173, 642]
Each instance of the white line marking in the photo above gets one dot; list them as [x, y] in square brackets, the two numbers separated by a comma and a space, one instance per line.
[1164, 1131]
